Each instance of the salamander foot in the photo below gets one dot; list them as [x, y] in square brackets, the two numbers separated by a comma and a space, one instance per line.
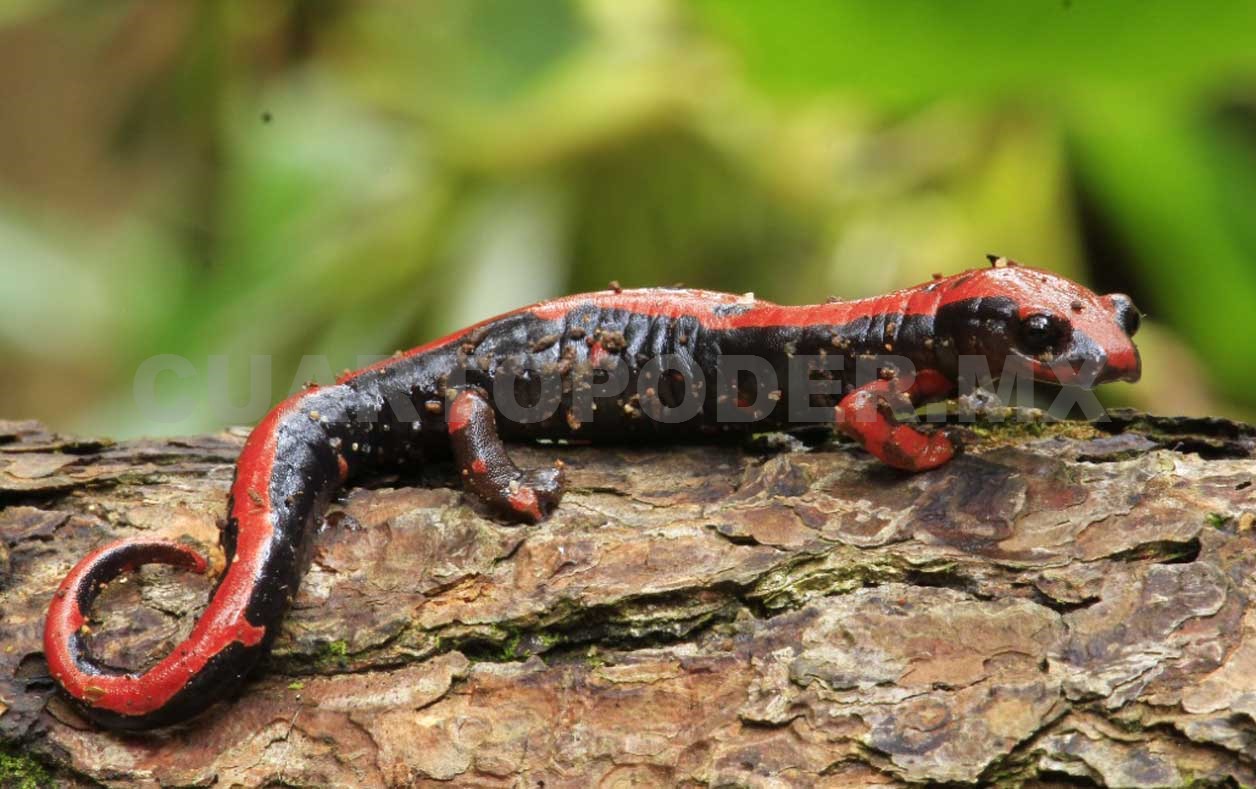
[522, 495]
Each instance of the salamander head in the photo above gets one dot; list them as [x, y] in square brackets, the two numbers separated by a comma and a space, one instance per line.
[1061, 331]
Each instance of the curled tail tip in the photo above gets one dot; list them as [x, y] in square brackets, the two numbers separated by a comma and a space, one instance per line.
[85, 580]
[70, 663]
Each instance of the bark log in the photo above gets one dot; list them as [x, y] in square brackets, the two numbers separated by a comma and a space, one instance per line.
[1064, 603]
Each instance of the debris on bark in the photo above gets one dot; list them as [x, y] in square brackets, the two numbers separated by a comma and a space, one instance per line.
[1063, 603]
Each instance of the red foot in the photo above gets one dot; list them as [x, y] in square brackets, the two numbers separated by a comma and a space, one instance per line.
[867, 415]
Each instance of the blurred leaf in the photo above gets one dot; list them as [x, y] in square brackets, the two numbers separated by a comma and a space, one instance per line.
[915, 50]
[16, 11]
[1154, 173]
[454, 52]
[507, 250]
[669, 208]
[34, 266]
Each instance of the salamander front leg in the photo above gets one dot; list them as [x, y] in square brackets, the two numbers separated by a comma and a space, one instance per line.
[487, 471]
[867, 415]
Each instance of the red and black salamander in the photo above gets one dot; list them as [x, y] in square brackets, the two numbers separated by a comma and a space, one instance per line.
[410, 407]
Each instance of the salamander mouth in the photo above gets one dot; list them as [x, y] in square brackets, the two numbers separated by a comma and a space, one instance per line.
[1114, 363]
[1086, 364]
[1125, 370]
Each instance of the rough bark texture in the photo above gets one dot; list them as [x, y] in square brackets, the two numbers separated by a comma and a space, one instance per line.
[1065, 603]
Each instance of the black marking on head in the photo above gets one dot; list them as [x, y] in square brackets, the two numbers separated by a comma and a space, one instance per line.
[980, 325]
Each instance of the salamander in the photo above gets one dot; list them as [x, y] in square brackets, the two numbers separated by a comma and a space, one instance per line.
[594, 360]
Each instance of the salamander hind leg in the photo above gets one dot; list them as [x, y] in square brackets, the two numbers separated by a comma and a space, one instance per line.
[867, 415]
[517, 494]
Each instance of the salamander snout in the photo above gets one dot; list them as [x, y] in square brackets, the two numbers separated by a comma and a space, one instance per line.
[1117, 343]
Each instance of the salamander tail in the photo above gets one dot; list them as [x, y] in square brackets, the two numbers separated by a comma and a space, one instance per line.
[87, 681]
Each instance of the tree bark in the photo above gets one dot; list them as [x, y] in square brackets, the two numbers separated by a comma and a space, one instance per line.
[1063, 603]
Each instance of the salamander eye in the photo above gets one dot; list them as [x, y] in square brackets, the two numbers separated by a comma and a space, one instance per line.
[1127, 315]
[1132, 321]
[1041, 333]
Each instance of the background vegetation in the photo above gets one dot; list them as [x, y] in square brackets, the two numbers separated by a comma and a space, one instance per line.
[292, 178]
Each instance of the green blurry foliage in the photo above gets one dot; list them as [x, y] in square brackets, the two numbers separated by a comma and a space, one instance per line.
[345, 179]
